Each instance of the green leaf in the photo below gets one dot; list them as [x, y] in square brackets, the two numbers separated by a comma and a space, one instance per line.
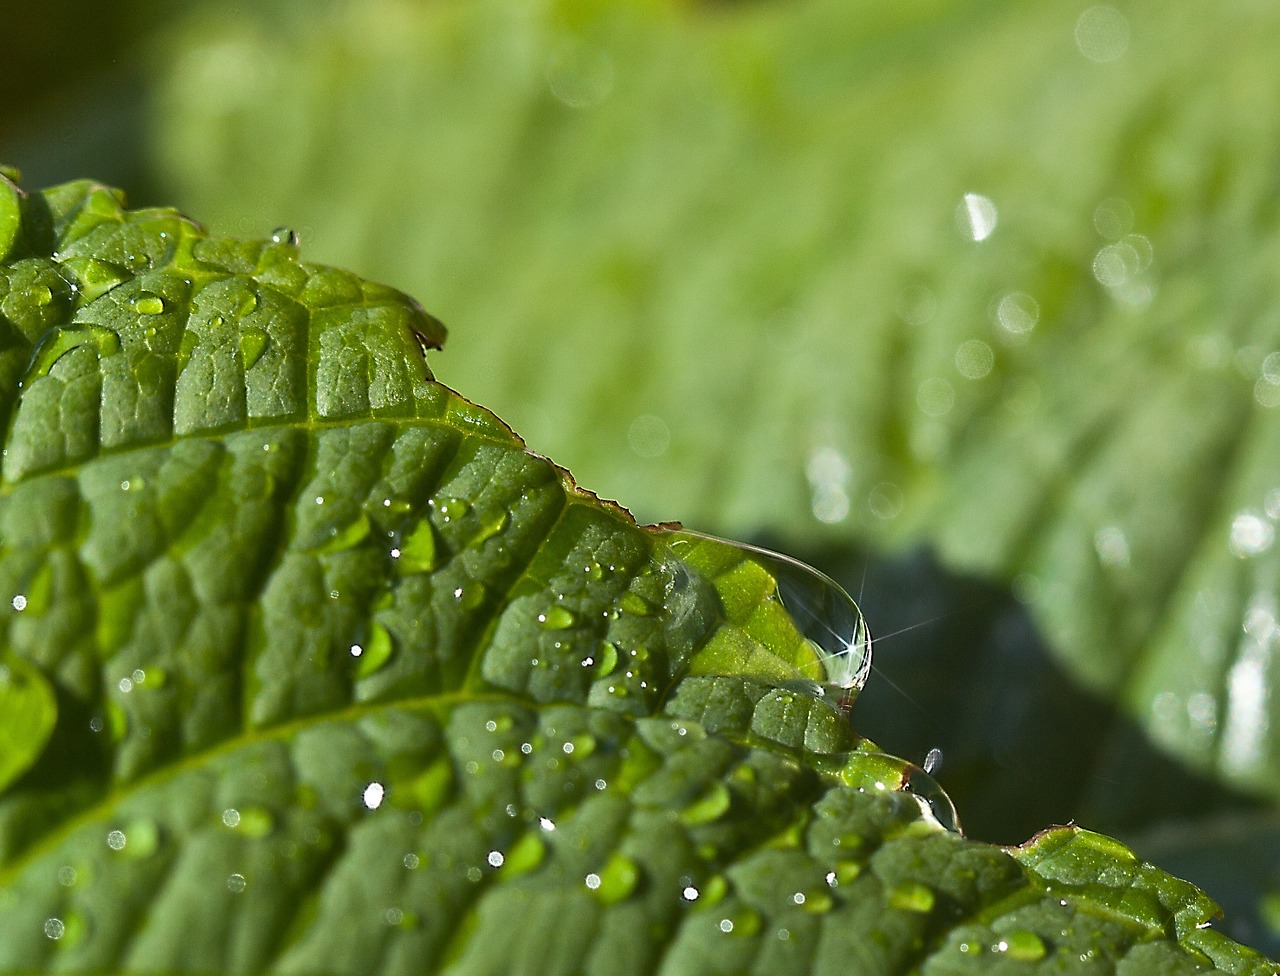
[1082, 401]
[282, 747]
[30, 710]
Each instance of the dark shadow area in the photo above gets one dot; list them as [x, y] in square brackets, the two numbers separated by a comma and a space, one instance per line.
[959, 666]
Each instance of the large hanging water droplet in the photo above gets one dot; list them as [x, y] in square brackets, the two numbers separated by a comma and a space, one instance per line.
[933, 799]
[823, 613]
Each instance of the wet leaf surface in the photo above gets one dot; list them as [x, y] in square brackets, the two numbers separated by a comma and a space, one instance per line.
[528, 747]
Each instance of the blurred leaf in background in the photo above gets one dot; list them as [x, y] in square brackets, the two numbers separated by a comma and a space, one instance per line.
[991, 279]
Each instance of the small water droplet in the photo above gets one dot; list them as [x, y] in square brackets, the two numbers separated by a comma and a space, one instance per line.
[418, 549]
[524, 855]
[284, 235]
[342, 538]
[116, 840]
[450, 508]
[617, 880]
[976, 216]
[376, 651]
[373, 795]
[490, 527]
[741, 922]
[911, 896]
[236, 883]
[19, 602]
[67, 875]
[713, 804]
[1251, 534]
[144, 839]
[145, 303]
[557, 618]
[635, 604]
[605, 660]
[255, 822]
[1024, 945]
[54, 929]
[1102, 33]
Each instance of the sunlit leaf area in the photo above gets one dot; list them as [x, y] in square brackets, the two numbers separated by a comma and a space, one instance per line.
[973, 306]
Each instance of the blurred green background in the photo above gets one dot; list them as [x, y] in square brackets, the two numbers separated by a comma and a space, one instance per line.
[972, 304]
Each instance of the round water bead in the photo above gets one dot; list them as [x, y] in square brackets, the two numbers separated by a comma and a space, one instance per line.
[823, 613]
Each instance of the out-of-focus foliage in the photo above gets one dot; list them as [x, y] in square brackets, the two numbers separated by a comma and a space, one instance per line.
[997, 277]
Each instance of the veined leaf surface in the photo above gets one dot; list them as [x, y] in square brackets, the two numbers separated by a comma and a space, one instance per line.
[326, 673]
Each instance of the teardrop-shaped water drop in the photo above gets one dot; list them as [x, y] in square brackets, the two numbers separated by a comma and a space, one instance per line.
[145, 303]
[933, 799]
[418, 549]
[825, 616]
[911, 896]
[375, 651]
[1024, 945]
[557, 618]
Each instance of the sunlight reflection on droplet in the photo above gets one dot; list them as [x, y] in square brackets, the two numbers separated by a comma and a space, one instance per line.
[829, 472]
[974, 359]
[648, 436]
[976, 216]
[1017, 314]
[1113, 218]
[1266, 393]
[373, 795]
[885, 500]
[1112, 546]
[935, 397]
[1251, 534]
[1102, 33]
[1202, 709]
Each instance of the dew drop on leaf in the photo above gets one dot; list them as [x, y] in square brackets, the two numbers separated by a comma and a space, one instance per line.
[911, 896]
[557, 618]
[741, 922]
[145, 303]
[144, 839]
[1024, 945]
[375, 651]
[30, 711]
[524, 855]
[838, 657]
[710, 806]
[418, 549]
[616, 880]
